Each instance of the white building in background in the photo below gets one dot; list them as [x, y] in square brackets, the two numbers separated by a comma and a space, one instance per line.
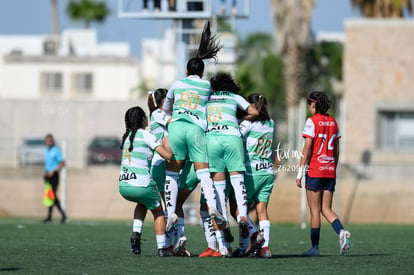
[159, 59]
[71, 86]
[73, 66]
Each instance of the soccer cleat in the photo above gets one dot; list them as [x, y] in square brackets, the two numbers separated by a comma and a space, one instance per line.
[172, 219]
[256, 242]
[136, 243]
[209, 252]
[226, 252]
[239, 253]
[171, 249]
[265, 252]
[164, 252]
[344, 242]
[179, 247]
[243, 227]
[184, 253]
[228, 237]
[218, 218]
[312, 252]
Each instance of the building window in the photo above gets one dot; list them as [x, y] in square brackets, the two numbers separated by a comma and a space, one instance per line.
[396, 130]
[83, 83]
[52, 82]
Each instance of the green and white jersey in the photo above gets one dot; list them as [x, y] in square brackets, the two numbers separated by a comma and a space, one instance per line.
[189, 97]
[135, 165]
[158, 128]
[258, 138]
[221, 113]
[158, 123]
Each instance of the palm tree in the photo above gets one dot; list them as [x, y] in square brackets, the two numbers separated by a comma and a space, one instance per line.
[292, 24]
[87, 11]
[383, 8]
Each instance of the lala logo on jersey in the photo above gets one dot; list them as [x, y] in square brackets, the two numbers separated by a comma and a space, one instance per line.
[326, 159]
[127, 176]
[186, 112]
[263, 165]
[216, 127]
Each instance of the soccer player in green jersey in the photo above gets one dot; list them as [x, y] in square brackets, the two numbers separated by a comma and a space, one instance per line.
[259, 175]
[135, 182]
[187, 101]
[225, 147]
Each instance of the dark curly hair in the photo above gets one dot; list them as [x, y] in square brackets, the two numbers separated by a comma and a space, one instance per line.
[261, 106]
[224, 82]
[208, 48]
[134, 120]
[155, 99]
[322, 102]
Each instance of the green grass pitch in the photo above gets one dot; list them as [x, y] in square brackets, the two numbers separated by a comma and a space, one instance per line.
[102, 247]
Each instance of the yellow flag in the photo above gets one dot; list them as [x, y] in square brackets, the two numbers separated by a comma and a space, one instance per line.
[48, 195]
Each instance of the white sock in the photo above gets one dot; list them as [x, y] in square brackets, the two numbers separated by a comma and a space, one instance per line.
[137, 225]
[160, 241]
[237, 181]
[208, 229]
[220, 239]
[252, 227]
[179, 226]
[171, 191]
[220, 187]
[265, 229]
[207, 188]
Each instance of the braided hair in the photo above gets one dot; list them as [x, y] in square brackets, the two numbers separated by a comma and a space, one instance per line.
[208, 48]
[261, 106]
[224, 82]
[155, 99]
[134, 120]
[322, 102]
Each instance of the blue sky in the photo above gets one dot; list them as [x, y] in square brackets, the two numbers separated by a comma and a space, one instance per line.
[34, 17]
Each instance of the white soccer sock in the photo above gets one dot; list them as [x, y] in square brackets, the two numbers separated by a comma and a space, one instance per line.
[265, 229]
[220, 187]
[179, 226]
[171, 191]
[160, 241]
[208, 229]
[237, 181]
[220, 239]
[207, 188]
[137, 226]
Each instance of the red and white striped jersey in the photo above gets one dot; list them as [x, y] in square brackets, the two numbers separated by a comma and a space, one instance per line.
[324, 131]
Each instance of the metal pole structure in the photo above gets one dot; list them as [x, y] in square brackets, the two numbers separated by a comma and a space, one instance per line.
[301, 113]
[63, 179]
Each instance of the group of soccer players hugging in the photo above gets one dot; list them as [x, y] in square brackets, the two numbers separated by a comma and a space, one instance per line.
[203, 132]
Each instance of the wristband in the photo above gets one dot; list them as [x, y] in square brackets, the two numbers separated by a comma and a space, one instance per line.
[301, 170]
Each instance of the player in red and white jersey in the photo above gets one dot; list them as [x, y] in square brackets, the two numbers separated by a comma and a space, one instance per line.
[319, 161]
[324, 132]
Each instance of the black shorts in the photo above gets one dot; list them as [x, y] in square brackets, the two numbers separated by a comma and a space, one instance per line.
[315, 184]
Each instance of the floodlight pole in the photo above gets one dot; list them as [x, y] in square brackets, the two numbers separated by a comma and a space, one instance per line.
[180, 16]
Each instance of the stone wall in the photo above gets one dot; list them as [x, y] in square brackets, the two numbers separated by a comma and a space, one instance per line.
[378, 75]
[92, 193]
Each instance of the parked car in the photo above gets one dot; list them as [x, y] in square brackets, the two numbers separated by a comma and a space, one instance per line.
[32, 151]
[104, 150]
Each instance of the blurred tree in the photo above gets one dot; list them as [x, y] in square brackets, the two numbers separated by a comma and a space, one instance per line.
[324, 67]
[260, 70]
[292, 24]
[383, 8]
[88, 11]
